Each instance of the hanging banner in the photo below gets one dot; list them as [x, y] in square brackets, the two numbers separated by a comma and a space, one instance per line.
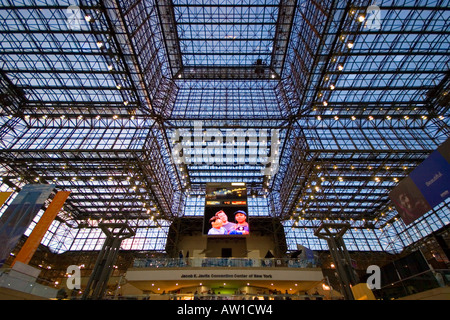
[19, 214]
[29, 248]
[3, 197]
[425, 187]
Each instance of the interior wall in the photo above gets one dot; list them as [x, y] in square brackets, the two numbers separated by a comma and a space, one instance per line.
[252, 246]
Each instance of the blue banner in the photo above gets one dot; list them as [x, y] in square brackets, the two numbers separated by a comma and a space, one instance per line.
[19, 214]
[425, 187]
[432, 178]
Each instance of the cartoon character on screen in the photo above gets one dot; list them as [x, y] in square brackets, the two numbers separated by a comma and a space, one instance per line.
[241, 226]
[216, 226]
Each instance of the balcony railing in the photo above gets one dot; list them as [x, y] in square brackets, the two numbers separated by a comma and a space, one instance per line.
[224, 262]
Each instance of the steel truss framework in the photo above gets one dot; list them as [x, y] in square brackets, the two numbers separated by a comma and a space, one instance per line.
[93, 99]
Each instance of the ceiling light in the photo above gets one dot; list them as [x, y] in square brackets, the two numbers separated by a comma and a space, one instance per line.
[340, 67]
[332, 87]
[100, 44]
[125, 102]
[353, 118]
[88, 18]
[361, 18]
[350, 45]
[110, 67]
[325, 103]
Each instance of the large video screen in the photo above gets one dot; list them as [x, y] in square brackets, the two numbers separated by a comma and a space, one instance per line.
[226, 211]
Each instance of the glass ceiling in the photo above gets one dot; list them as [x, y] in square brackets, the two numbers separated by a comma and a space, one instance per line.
[226, 33]
[95, 109]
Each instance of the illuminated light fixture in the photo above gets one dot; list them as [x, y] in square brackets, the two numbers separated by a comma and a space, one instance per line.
[441, 117]
[125, 102]
[340, 179]
[361, 18]
[88, 18]
[325, 103]
[118, 86]
[272, 76]
[424, 117]
[100, 44]
[406, 117]
[110, 67]
[353, 118]
[319, 118]
[80, 117]
[98, 117]
[350, 45]
[332, 87]
[336, 118]
[340, 67]
[115, 116]
[370, 118]
[388, 117]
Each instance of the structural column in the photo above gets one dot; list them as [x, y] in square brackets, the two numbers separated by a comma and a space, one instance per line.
[333, 232]
[98, 281]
